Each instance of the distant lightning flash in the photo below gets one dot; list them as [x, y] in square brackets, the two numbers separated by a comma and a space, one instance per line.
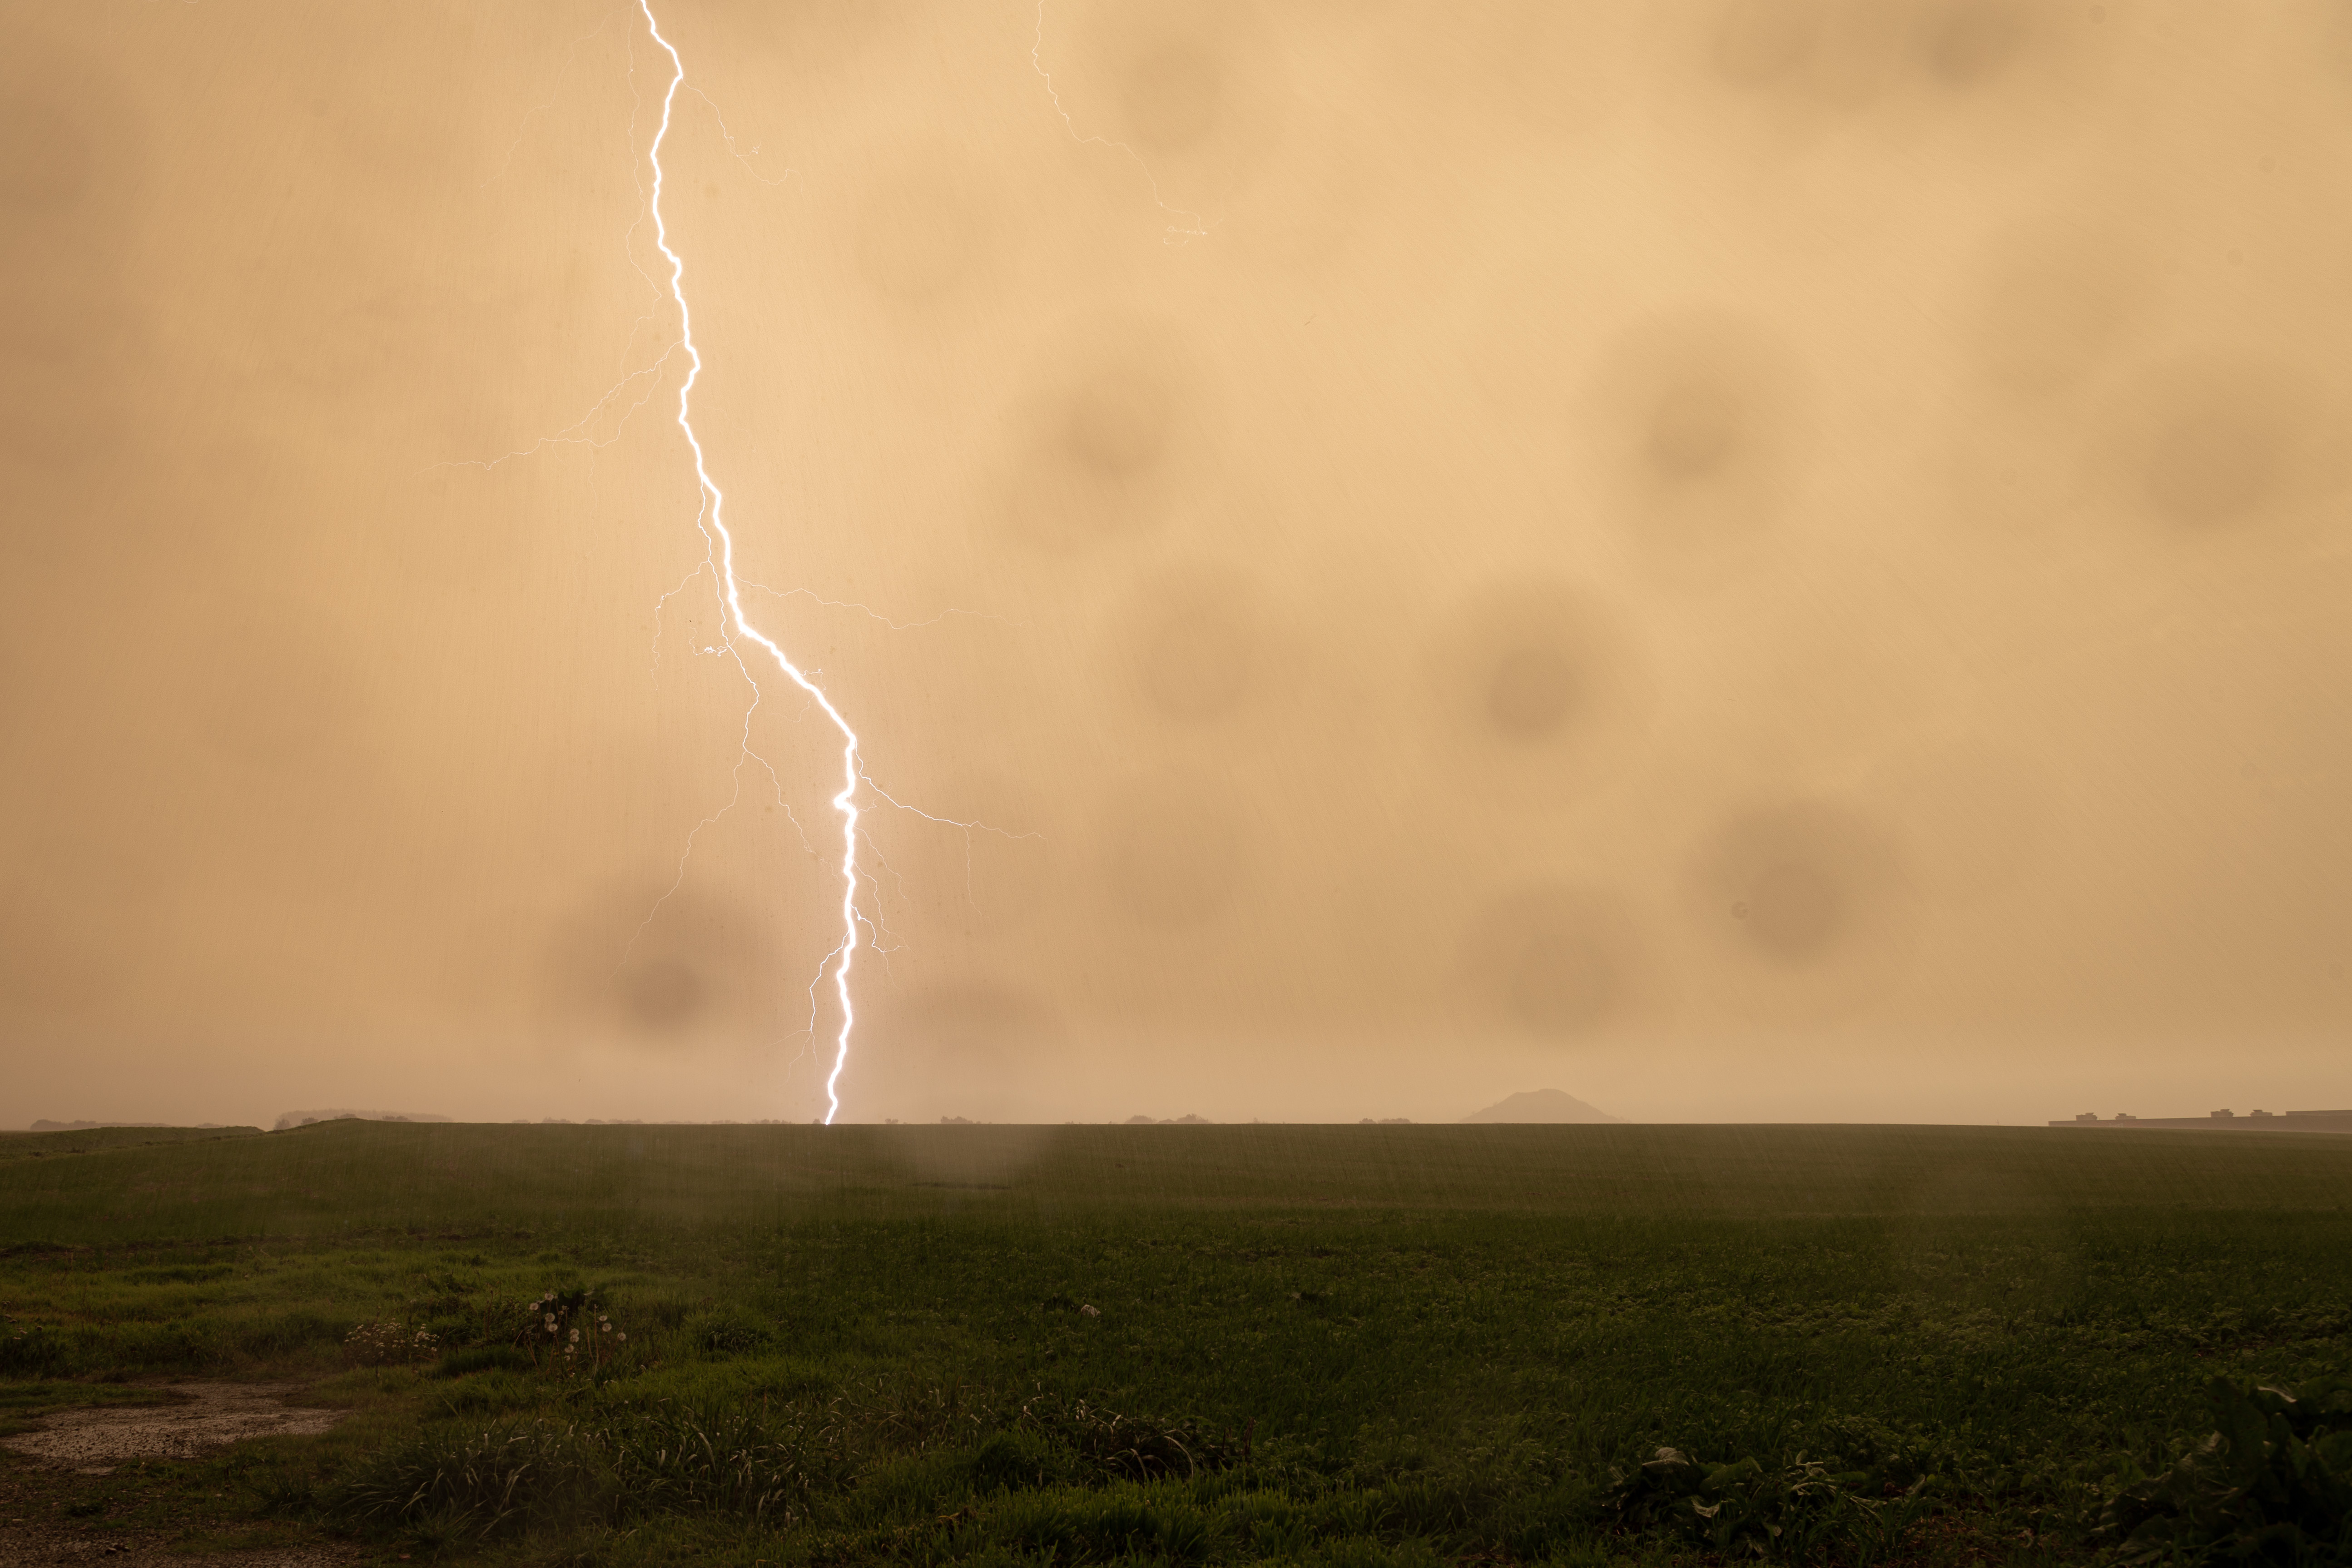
[722, 559]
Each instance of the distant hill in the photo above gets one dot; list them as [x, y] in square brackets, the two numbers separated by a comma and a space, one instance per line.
[306, 1118]
[1541, 1105]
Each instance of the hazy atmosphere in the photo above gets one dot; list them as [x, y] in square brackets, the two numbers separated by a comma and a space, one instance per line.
[1742, 562]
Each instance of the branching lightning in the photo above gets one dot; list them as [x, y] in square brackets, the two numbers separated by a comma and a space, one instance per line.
[720, 545]
[872, 613]
[1182, 225]
[524, 129]
[586, 422]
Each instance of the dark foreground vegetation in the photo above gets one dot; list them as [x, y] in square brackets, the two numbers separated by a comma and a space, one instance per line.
[1344, 1345]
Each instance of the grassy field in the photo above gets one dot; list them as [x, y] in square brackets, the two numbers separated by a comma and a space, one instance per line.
[1076, 1344]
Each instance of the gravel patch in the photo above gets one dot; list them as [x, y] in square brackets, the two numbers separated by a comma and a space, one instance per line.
[209, 1415]
[36, 1527]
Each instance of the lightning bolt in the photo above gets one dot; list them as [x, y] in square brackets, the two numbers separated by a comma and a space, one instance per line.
[720, 545]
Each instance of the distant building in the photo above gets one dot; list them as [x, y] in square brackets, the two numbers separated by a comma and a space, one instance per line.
[2228, 1120]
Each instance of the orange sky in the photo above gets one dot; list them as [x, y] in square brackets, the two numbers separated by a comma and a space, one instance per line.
[1742, 561]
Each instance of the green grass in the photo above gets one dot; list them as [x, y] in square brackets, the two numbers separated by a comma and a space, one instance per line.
[1331, 1344]
[45, 1146]
[351, 1177]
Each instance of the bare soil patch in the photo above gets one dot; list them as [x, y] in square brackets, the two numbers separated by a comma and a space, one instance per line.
[205, 1415]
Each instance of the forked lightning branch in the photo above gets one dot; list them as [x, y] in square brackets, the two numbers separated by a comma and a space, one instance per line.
[720, 546]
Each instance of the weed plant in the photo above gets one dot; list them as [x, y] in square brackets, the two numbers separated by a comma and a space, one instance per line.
[2272, 1483]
